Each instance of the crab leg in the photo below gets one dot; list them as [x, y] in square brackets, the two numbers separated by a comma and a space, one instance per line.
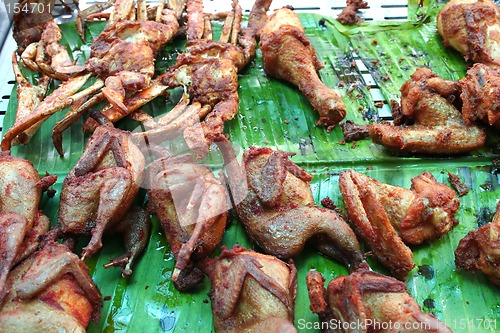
[159, 10]
[122, 10]
[58, 100]
[196, 20]
[207, 28]
[226, 29]
[142, 14]
[96, 8]
[236, 23]
[28, 97]
[70, 118]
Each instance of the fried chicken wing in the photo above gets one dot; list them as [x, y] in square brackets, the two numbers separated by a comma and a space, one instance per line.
[481, 95]
[386, 217]
[289, 56]
[251, 292]
[367, 301]
[472, 27]
[50, 291]
[279, 214]
[21, 221]
[480, 250]
[191, 206]
[429, 122]
[99, 191]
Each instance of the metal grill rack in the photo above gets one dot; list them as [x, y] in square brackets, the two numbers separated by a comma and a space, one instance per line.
[395, 10]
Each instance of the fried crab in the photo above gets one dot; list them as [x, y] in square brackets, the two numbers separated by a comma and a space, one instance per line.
[472, 27]
[480, 250]
[122, 58]
[429, 120]
[278, 210]
[388, 217]
[21, 221]
[251, 292]
[50, 291]
[366, 301]
[191, 206]
[98, 194]
[209, 72]
[288, 55]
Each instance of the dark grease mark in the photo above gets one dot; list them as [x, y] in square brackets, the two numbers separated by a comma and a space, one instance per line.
[487, 186]
[485, 215]
[322, 23]
[430, 303]
[426, 271]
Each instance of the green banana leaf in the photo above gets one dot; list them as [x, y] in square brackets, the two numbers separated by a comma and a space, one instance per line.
[274, 114]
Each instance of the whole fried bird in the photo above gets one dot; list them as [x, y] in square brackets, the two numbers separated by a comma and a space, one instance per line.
[278, 210]
[251, 292]
[288, 55]
[367, 301]
[388, 217]
[480, 250]
[50, 291]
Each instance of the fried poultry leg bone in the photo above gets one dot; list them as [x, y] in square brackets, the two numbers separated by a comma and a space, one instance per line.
[288, 55]
[386, 217]
[191, 206]
[472, 28]
[99, 191]
[428, 121]
[20, 220]
[50, 291]
[122, 58]
[278, 210]
[251, 292]
[209, 72]
[369, 298]
[480, 250]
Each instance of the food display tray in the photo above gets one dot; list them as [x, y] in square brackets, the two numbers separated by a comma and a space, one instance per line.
[368, 63]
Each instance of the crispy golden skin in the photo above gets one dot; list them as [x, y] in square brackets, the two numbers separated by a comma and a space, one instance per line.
[279, 214]
[473, 28]
[251, 292]
[20, 220]
[480, 250]
[367, 301]
[428, 121]
[481, 95]
[288, 56]
[191, 206]
[50, 291]
[386, 217]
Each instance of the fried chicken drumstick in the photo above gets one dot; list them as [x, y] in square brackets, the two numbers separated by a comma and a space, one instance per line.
[428, 121]
[288, 56]
[472, 27]
[480, 250]
[386, 217]
[251, 292]
[279, 214]
[367, 301]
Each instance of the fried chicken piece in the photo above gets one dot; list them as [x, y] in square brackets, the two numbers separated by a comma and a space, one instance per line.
[251, 292]
[430, 120]
[278, 210]
[386, 217]
[480, 250]
[481, 95]
[191, 206]
[288, 56]
[367, 301]
[349, 14]
[50, 291]
[472, 28]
